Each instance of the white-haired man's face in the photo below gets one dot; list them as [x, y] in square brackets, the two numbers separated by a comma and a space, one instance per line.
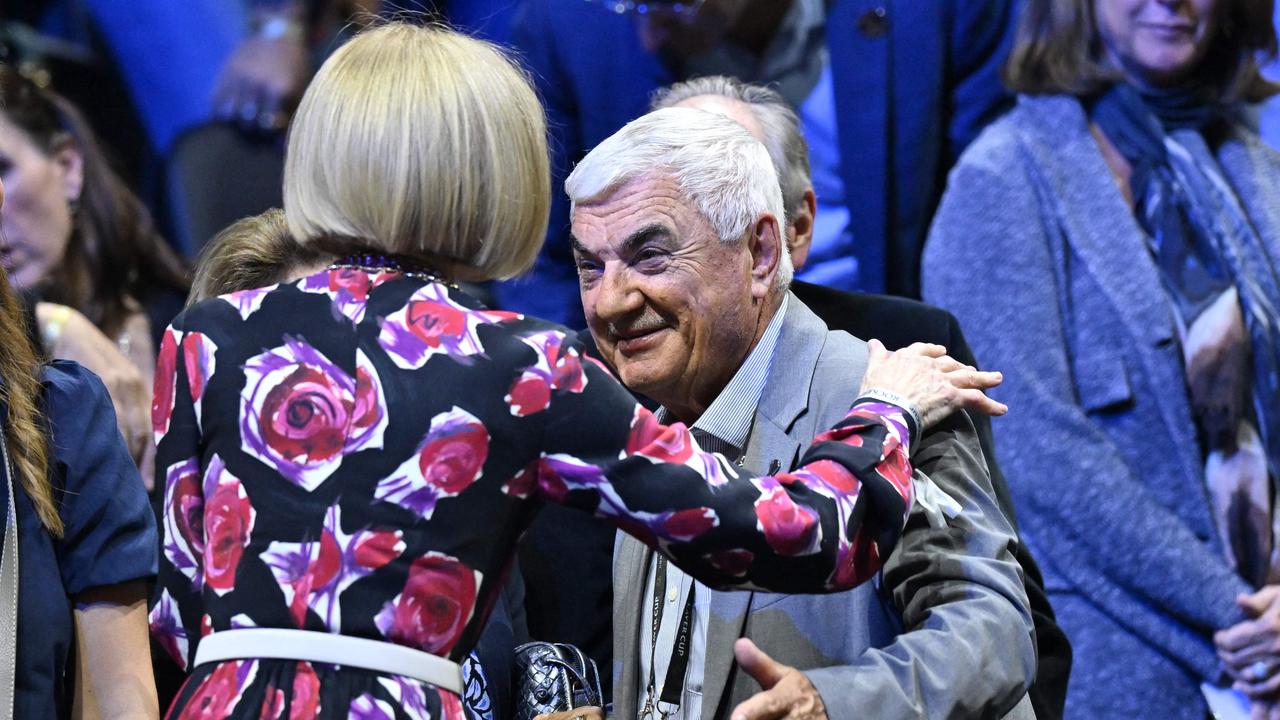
[672, 308]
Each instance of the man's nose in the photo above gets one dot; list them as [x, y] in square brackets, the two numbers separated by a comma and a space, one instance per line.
[617, 295]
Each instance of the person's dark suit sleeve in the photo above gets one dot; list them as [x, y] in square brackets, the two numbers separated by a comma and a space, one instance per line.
[981, 38]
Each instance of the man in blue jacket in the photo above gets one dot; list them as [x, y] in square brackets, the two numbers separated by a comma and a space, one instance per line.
[889, 91]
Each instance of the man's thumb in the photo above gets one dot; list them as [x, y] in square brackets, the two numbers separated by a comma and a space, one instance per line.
[757, 664]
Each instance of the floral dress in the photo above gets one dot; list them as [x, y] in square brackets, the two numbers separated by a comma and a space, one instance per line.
[359, 451]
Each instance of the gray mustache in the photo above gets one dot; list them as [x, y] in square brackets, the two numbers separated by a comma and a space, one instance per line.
[647, 322]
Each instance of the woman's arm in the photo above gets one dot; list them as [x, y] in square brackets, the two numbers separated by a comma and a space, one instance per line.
[68, 335]
[113, 657]
[824, 527]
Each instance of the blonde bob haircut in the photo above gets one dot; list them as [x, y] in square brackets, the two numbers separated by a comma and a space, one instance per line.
[421, 141]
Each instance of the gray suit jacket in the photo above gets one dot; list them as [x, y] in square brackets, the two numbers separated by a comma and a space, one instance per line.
[1041, 259]
[967, 650]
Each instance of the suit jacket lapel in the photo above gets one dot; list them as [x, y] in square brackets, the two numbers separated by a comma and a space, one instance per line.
[630, 561]
[784, 401]
[1125, 271]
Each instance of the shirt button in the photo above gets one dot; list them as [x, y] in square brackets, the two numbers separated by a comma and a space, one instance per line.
[671, 596]
[874, 23]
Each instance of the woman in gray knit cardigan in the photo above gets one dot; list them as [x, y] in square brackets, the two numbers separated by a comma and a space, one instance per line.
[1113, 245]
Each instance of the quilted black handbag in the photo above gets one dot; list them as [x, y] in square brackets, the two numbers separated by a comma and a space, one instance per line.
[553, 677]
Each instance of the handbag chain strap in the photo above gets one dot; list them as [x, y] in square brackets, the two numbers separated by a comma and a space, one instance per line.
[8, 593]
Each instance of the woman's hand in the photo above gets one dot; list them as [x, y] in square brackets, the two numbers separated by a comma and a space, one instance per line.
[935, 383]
[78, 339]
[1250, 650]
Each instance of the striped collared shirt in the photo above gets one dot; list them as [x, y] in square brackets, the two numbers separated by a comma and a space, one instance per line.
[724, 428]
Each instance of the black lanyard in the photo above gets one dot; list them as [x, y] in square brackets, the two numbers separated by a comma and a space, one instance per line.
[678, 667]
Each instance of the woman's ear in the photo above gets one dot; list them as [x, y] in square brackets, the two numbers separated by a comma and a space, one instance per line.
[71, 162]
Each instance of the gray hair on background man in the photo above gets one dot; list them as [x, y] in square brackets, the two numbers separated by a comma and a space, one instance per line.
[783, 135]
[715, 162]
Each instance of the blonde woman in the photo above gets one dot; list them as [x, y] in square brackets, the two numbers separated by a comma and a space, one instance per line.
[349, 459]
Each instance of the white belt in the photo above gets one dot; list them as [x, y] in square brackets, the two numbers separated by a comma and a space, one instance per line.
[311, 646]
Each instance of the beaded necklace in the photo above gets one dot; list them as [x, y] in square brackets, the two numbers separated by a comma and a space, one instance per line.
[370, 261]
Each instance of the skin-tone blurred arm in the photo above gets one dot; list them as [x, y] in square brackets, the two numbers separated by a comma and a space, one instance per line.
[128, 378]
[113, 659]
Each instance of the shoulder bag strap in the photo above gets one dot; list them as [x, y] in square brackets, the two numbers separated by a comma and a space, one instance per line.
[8, 593]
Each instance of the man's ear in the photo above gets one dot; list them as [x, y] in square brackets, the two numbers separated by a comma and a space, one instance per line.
[766, 245]
[800, 229]
[71, 162]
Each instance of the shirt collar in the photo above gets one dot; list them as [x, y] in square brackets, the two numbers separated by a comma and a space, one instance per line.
[729, 416]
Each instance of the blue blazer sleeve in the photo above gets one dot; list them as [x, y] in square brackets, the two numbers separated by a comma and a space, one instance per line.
[110, 530]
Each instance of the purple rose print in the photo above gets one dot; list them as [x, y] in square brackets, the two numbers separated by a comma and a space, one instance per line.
[166, 627]
[302, 414]
[410, 696]
[448, 461]
[313, 574]
[247, 302]
[348, 288]
[368, 707]
[431, 323]
[184, 519]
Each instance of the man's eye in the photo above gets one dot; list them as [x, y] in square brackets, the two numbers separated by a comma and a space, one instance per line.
[649, 258]
[587, 267]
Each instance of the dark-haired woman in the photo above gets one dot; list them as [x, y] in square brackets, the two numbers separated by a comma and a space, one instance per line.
[86, 540]
[76, 238]
[1112, 244]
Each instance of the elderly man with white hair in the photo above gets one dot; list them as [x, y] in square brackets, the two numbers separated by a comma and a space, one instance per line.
[684, 281]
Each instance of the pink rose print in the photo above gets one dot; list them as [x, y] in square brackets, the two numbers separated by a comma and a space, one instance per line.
[790, 529]
[649, 439]
[184, 518]
[448, 461]
[302, 414]
[431, 323]
[674, 444]
[734, 563]
[852, 561]
[306, 693]
[896, 468]
[524, 482]
[557, 368]
[228, 521]
[437, 602]
[313, 574]
[167, 628]
[220, 691]
[272, 704]
[247, 302]
[685, 525]
[450, 706]
[198, 355]
[166, 382]
[348, 288]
